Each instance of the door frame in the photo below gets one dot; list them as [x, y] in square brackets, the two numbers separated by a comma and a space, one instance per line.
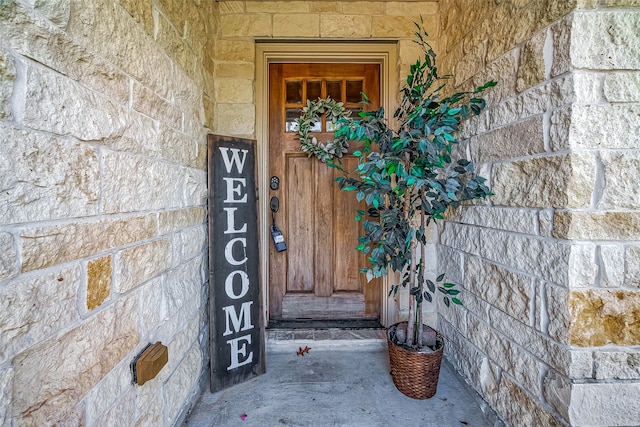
[383, 53]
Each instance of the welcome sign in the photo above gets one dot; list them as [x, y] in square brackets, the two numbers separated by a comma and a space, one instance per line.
[236, 335]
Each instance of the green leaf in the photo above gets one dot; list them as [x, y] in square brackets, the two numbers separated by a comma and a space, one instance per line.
[357, 153]
[440, 277]
[456, 301]
[448, 285]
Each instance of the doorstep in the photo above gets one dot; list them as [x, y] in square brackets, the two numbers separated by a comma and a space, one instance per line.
[285, 340]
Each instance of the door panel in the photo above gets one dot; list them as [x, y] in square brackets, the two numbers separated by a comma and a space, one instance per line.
[318, 275]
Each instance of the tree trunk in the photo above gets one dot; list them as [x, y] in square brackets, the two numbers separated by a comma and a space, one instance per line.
[412, 265]
[423, 262]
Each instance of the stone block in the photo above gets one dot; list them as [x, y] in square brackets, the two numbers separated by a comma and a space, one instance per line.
[277, 6]
[450, 262]
[51, 378]
[56, 244]
[175, 12]
[600, 317]
[155, 107]
[470, 63]
[606, 40]
[140, 263]
[556, 390]
[517, 140]
[182, 292]
[531, 70]
[399, 26]
[587, 87]
[560, 318]
[516, 362]
[6, 384]
[195, 187]
[565, 181]
[619, 365]
[233, 91]
[121, 412]
[152, 307]
[326, 7]
[132, 183]
[632, 261]
[605, 404]
[596, 225]
[94, 22]
[99, 275]
[461, 237]
[296, 25]
[183, 341]
[254, 25]
[503, 71]
[410, 8]
[34, 309]
[34, 37]
[503, 289]
[559, 129]
[9, 266]
[188, 244]
[583, 269]
[539, 257]
[363, 7]
[57, 11]
[103, 396]
[59, 105]
[142, 12]
[622, 87]
[174, 220]
[621, 176]
[612, 266]
[7, 78]
[561, 38]
[235, 119]
[345, 26]
[177, 146]
[46, 177]
[183, 383]
[139, 136]
[618, 126]
[171, 41]
[227, 7]
[519, 408]
[235, 51]
[237, 70]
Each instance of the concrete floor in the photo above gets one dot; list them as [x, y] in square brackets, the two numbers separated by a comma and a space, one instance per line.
[334, 385]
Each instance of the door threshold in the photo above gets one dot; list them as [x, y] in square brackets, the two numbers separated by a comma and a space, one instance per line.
[321, 324]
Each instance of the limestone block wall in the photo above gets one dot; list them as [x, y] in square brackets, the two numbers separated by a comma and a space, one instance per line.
[549, 334]
[104, 110]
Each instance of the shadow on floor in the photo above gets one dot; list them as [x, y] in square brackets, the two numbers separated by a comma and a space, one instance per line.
[337, 387]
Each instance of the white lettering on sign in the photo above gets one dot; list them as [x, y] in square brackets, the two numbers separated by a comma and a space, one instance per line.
[235, 158]
[236, 350]
[228, 251]
[238, 319]
[233, 188]
[237, 283]
[228, 284]
[231, 222]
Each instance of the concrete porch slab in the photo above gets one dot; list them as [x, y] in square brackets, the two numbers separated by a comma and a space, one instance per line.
[337, 384]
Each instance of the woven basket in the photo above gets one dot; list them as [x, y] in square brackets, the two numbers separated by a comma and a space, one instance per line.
[415, 374]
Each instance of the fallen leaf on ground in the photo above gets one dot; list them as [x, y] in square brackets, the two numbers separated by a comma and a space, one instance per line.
[302, 351]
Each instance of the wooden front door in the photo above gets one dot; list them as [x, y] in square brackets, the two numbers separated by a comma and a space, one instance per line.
[318, 276]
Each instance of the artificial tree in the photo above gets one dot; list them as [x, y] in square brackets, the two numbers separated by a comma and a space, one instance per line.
[407, 176]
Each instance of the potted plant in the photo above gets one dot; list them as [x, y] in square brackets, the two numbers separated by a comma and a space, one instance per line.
[408, 177]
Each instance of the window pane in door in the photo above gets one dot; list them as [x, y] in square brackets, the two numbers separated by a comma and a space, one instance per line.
[314, 90]
[333, 90]
[354, 87]
[294, 92]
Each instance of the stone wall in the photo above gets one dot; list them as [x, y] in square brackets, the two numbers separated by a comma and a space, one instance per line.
[550, 331]
[104, 109]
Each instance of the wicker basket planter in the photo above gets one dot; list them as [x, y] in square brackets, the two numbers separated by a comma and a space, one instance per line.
[415, 374]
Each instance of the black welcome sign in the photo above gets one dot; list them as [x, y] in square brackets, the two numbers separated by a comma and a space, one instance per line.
[235, 309]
